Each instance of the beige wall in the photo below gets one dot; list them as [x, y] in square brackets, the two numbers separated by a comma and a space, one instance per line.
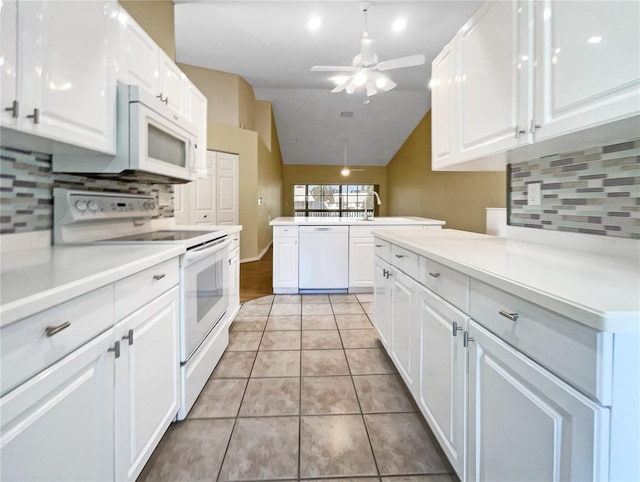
[306, 174]
[246, 105]
[459, 198]
[157, 19]
[263, 121]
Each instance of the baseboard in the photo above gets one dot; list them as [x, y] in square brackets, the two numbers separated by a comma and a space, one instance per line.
[259, 257]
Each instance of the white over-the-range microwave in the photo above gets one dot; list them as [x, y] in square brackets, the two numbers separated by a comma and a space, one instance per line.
[154, 144]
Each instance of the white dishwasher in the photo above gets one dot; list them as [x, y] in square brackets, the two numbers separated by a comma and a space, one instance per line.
[323, 258]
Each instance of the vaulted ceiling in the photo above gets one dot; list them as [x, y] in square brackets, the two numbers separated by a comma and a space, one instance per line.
[270, 45]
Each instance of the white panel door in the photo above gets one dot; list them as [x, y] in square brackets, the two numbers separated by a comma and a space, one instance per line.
[171, 82]
[382, 300]
[404, 329]
[58, 426]
[443, 374]
[360, 262]
[137, 55]
[227, 194]
[147, 382]
[181, 193]
[588, 64]
[203, 195]
[285, 263]
[68, 84]
[494, 80]
[443, 107]
[527, 425]
[9, 65]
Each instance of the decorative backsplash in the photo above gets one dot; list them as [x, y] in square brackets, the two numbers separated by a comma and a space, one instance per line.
[593, 191]
[26, 190]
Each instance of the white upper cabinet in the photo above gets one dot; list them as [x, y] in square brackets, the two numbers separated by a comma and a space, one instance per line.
[63, 75]
[171, 83]
[530, 70]
[443, 121]
[493, 80]
[588, 64]
[137, 55]
[196, 113]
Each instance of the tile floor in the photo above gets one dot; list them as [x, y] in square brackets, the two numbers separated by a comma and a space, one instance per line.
[304, 391]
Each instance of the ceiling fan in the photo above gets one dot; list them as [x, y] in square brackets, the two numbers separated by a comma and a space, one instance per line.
[366, 69]
[345, 170]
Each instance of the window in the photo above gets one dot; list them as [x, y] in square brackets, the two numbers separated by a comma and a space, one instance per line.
[334, 200]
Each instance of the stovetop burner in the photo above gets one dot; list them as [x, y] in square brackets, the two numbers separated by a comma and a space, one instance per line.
[161, 236]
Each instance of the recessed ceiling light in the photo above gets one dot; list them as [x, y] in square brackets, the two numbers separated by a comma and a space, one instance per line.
[399, 25]
[314, 23]
[595, 40]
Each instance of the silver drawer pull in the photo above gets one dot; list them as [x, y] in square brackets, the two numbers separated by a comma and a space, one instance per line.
[399, 255]
[435, 275]
[159, 276]
[511, 316]
[52, 330]
[378, 246]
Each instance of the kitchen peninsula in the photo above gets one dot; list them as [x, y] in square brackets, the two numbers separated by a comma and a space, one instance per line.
[330, 254]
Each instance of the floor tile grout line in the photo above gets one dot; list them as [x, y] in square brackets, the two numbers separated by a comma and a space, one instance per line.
[300, 404]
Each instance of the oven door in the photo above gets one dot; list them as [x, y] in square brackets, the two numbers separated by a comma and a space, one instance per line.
[160, 146]
[205, 292]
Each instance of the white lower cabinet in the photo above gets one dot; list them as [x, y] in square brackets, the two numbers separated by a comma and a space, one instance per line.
[234, 277]
[525, 423]
[147, 383]
[285, 262]
[404, 341]
[360, 263]
[443, 374]
[58, 426]
[382, 300]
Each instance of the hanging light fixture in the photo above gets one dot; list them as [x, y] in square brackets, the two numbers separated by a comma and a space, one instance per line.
[345, 170]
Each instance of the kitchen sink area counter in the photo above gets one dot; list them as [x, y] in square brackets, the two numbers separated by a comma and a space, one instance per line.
[346, 259]
[511, 347]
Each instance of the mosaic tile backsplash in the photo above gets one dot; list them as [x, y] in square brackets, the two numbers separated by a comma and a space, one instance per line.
[26, 190]
[594, 191]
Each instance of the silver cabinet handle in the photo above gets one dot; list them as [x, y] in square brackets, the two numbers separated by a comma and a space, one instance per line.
[378, 246]
[455, 328]
[52, 330]
[35, 116]
[166, 100]
[159, 96]
[229, 262]
[511, 316]
[158, 277]
[14, 109]
[518, 131]
[435, 275]
[399, 255]
[129, 337]
[466, 339]
[534, 126]
[116, 349]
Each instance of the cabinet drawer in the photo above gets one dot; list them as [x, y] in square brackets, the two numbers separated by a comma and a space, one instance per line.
[452, 285]
[405, 260]
[382, 249]
[285, 231]
[135, 291]
[26, 347]
[235, 241]
[580, 355]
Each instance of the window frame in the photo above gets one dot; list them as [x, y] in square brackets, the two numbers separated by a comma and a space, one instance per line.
[345, 193]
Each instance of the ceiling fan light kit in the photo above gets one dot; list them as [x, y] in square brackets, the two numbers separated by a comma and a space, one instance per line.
[365, 71]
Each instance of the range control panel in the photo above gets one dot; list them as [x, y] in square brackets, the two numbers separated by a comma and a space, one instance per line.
[86, 205]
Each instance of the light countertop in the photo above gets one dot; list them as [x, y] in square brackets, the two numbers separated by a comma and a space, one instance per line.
[378, 220]
[33, 280]
[599, 291]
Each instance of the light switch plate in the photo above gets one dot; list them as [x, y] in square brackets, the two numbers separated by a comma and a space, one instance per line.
[533, 194]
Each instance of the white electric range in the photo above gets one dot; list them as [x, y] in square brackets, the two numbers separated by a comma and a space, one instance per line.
[85, 217]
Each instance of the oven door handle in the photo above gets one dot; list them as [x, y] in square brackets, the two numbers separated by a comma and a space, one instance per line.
[205, 251]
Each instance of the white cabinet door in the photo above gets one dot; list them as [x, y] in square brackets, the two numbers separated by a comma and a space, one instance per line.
[361, 262]
[443, 375]
[285, 265]
[147, 382]
[171, 82]
[68, 85]
[196, 113]
[9, 64]
[525, 424]
[227, 194]
[137, 55]
[382, 300]
[588, 64]
[234, 283]
[405, 346]
[443, 107]
[59, 425]
[494, 80]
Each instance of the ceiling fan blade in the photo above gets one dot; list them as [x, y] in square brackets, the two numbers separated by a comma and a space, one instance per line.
[342, 86]
[402, 62]
[333, 68]
[368, 49]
